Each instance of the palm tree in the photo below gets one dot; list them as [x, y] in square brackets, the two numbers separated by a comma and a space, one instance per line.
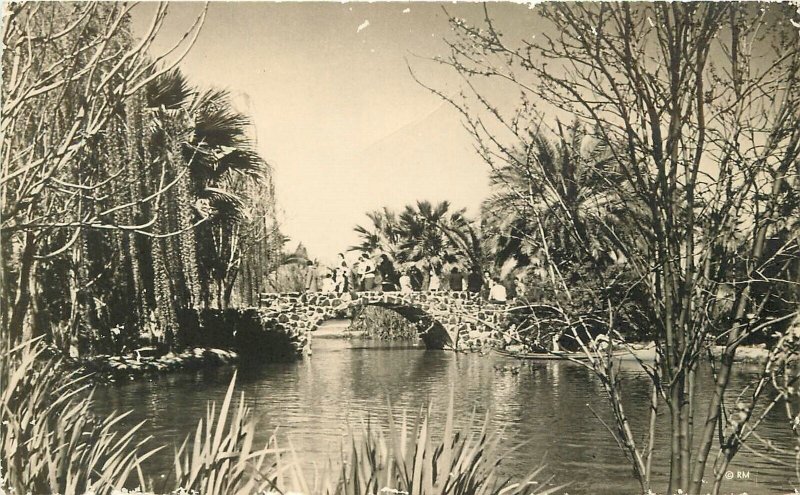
[422, 236]
[220, 156]
[559, 202]
[559, 212]
[466, 239]
[383, 235]
[423, 241]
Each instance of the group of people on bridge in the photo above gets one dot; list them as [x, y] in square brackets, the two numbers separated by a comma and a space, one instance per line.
[380, 275]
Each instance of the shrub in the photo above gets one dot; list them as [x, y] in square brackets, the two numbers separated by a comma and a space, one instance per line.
[384, 324]
[410, 461]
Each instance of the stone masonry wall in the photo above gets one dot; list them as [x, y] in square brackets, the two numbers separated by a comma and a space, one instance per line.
[470, 322]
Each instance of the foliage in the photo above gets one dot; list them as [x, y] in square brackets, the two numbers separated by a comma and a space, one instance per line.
[383, 324]
[128, 194]
[546, 314]
[149, 362]
[221, 459]
[75, 84]
[538, 187]
[222, 165]
[248, 331]
[289, 269]
[422, 237]
[553, 218]
[261, 245]
[52, 442]
[383, 235]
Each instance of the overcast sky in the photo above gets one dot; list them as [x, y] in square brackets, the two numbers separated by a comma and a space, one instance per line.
[336, 112]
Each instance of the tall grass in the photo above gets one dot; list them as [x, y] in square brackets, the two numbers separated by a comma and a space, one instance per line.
[221, 459]
[53, 443]
[411, 461]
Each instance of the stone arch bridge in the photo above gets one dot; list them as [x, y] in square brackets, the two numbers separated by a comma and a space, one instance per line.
[452, 320]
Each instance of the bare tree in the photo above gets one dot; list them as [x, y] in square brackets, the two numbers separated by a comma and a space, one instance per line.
[693, 112]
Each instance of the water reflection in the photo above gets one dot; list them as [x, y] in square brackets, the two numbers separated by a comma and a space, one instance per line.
[544, 405]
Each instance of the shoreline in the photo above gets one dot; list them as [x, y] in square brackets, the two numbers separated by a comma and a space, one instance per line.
[138, 364]
[135, 365]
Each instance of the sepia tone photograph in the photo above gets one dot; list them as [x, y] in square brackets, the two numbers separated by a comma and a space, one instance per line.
[400, 248]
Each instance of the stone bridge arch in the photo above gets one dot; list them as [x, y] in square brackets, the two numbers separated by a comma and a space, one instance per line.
[448, 320]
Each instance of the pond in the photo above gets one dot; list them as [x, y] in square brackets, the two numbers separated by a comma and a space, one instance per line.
[546, 406]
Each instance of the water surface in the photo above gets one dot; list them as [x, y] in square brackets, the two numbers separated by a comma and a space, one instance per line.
[546, 407]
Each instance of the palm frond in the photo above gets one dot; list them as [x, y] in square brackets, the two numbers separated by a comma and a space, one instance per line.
[216, 122]
[241, 161]
[171, 91]
[225, 204]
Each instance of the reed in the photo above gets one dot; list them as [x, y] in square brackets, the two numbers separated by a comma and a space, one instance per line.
[221, 459]
[410, 460]
[51, 441]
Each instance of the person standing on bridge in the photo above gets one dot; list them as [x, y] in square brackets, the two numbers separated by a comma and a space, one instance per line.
[327, 283]
[367, 271]
[405, 283]
[342, 275]
[488, 283]
[435, 282]
[354, 278]
[388, 275]
[378, 281]
[511, 289]
[312, 277]
[474, 281]
[497, 294]
[456, 281]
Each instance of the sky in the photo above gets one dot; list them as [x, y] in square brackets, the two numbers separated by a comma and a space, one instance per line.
[335, 110]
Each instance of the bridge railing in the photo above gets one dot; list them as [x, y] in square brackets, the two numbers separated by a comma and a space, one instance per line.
[454, 294]
[271, 298]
